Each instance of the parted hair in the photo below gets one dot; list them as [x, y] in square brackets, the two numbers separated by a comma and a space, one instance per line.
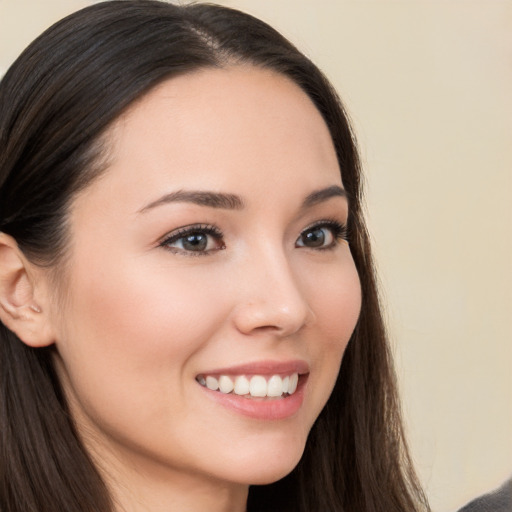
[57, 101]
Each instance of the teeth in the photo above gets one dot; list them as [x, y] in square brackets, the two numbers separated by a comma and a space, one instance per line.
[242, 385]
[212, 383]
[225, 384]
[275, 386]
[256, 386]
[286, 382]
[292, 386]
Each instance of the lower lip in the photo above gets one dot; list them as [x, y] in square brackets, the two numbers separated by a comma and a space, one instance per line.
[262, 408]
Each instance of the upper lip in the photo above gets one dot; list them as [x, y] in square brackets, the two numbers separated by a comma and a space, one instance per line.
[267, 367]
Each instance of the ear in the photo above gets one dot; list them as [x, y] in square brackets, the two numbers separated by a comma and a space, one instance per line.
[19, 309]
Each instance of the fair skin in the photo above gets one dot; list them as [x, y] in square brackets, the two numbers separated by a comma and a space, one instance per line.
[265, 280]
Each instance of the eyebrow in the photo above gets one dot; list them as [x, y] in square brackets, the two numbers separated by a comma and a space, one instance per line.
[234, 202]
[201, 198]
[319, 196]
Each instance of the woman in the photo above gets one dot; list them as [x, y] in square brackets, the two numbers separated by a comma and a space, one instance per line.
[179, 190]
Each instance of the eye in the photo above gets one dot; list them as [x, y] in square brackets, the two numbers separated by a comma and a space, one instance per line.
[195, 240]
[323, 235]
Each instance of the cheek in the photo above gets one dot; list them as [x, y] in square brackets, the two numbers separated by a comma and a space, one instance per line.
[337, 311]
[130, 334]
[144, 311]
[337, 302]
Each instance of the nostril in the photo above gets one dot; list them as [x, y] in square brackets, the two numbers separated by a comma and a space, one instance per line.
[266, 328]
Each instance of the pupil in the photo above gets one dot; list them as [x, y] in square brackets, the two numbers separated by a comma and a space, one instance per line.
[195, 242]
[315, 238]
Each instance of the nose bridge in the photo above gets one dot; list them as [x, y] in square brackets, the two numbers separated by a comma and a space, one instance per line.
[272, 297]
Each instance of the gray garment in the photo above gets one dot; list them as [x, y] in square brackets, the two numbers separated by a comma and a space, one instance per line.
[496, 501]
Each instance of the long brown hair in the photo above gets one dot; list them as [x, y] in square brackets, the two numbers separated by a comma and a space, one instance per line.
[56, 102]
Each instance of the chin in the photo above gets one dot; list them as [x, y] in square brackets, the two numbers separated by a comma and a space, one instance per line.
[273, 474]
[267, 464]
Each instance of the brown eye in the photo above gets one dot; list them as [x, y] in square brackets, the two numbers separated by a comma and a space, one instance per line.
[314, 238]
[194, 240]
[322, 236]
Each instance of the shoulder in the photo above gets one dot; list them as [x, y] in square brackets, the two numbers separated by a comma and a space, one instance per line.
[496, 501]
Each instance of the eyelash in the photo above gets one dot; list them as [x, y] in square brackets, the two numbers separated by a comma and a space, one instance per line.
[196, 229]
[338, 230]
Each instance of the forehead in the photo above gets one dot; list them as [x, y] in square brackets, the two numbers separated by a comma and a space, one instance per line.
[240, 127]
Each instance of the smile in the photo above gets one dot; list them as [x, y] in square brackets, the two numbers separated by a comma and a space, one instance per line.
[256, 386]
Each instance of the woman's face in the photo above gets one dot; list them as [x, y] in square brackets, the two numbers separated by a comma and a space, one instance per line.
[211, 250]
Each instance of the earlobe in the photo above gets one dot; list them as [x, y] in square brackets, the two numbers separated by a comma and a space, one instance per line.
[19, 310]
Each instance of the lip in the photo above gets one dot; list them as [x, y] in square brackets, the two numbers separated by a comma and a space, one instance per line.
[262, 368]
[262, 408]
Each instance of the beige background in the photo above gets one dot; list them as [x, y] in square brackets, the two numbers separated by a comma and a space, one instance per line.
[428, 87]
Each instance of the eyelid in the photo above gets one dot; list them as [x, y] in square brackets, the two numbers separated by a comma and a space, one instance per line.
[182, 232]
[339, 231]
[328, 221]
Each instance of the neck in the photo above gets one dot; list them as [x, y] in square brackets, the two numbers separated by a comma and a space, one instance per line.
[180, 493]
[137, 485]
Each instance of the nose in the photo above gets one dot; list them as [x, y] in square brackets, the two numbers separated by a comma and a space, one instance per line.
[270, 298]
